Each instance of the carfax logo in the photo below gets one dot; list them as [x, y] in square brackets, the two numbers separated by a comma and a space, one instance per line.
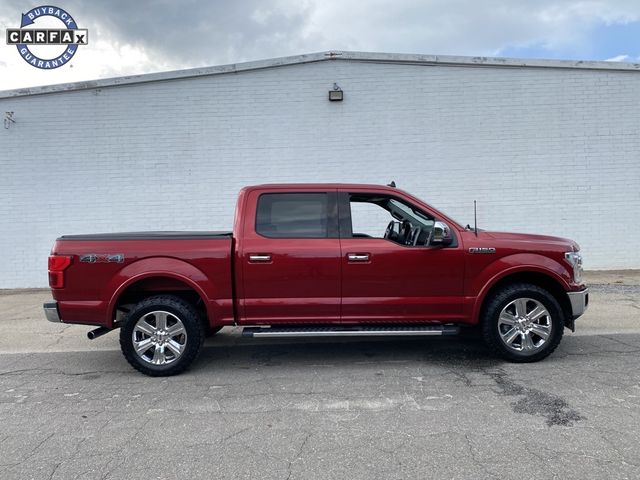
[50, 47]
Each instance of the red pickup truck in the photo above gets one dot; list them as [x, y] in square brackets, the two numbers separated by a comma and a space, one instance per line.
[318, 260]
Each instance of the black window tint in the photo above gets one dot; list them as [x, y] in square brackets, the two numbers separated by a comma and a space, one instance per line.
[292, 215]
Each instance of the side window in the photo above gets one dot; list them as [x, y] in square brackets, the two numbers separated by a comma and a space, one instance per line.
[292, 215]
[384, 216]
[369, 219]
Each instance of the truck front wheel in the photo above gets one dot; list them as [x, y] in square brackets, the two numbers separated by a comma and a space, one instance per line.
[161, 335]
[522, 323]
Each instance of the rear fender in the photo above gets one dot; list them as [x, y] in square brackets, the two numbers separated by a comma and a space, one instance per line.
[161, 267]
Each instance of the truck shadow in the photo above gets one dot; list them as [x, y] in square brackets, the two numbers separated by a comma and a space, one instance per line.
[457, 352]
[301, 352]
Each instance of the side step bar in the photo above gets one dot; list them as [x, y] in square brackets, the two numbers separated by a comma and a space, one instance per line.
[350, 331]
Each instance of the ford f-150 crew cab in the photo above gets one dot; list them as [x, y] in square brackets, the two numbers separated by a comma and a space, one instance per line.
[318, 260]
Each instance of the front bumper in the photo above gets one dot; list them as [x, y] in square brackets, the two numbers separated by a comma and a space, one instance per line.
[579, 302]
[51, 312]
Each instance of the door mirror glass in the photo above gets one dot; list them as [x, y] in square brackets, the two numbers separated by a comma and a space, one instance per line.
[441, 234]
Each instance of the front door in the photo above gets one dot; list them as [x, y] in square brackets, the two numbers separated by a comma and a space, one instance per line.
[390, 273]
[290, 258]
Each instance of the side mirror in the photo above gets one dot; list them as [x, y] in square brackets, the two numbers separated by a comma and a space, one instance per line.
[441, 234]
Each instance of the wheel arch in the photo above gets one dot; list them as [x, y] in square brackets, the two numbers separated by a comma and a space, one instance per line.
[152, 284]
[143, 279]
[543, 279]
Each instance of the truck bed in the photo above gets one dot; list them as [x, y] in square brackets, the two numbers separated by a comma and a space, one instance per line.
[104, 264]
[177, 235]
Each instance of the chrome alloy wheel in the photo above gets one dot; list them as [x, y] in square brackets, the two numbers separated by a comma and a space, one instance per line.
[524, 325]
[159, 338]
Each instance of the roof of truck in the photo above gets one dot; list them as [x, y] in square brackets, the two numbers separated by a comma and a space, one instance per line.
[320, 185]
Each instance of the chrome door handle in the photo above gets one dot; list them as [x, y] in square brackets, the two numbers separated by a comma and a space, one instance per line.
[259, 258]
[358, 257]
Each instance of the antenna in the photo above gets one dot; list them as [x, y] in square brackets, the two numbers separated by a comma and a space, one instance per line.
[475, 218]
[392, 184]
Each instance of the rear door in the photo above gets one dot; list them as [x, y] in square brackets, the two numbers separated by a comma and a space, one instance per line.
[290, 257]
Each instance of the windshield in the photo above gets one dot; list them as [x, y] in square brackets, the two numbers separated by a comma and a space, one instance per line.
[408, 213]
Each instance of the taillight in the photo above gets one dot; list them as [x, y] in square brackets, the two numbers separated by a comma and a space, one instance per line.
[57, 265]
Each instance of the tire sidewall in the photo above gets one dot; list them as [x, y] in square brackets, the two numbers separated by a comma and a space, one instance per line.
[177, 307]
[506, 296]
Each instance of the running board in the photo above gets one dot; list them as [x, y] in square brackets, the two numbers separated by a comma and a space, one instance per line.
[349, 331]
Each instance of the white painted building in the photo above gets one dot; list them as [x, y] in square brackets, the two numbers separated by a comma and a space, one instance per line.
[543, 146]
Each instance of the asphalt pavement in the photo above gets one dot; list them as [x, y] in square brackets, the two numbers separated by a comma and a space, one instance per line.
[305, 409]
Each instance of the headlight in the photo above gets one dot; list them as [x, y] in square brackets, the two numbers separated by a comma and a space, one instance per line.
[575, 260]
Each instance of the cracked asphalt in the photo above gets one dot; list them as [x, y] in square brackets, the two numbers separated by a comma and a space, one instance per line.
[300, 409]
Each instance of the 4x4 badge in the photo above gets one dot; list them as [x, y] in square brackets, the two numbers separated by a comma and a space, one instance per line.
[102, 258]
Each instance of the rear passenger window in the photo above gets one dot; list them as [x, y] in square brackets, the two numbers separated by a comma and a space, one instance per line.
[292, 215]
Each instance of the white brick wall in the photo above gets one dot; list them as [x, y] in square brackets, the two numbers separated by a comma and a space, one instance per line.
[546, 150]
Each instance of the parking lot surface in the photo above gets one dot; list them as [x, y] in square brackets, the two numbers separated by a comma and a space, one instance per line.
[352, 409]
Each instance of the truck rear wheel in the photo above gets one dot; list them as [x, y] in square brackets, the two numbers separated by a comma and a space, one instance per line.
[522, 323]
[161, 335]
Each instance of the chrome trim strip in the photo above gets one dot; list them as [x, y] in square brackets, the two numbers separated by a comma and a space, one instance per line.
[357, 257]
[259, 258]
[350, 333]
[579, 302]
[51, 312]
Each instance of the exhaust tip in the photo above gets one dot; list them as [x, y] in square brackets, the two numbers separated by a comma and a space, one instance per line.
[98, 332]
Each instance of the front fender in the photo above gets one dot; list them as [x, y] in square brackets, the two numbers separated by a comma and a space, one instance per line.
[160, 267]
[503, 267]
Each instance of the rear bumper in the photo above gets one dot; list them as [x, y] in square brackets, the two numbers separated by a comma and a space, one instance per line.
[579, 302]
[51, 312]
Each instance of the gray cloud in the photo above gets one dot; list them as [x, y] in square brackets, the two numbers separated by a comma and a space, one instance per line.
[193, 33]
[197, 32]
[466, 27]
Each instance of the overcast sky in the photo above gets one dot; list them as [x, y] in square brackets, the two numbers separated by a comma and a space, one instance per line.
[132, 37]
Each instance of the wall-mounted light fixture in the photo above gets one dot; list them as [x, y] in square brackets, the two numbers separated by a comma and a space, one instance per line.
[336, 95]
[8, 119]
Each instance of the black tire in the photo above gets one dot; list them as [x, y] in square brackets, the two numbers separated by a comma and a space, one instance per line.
[504, 297]
[178, 309]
